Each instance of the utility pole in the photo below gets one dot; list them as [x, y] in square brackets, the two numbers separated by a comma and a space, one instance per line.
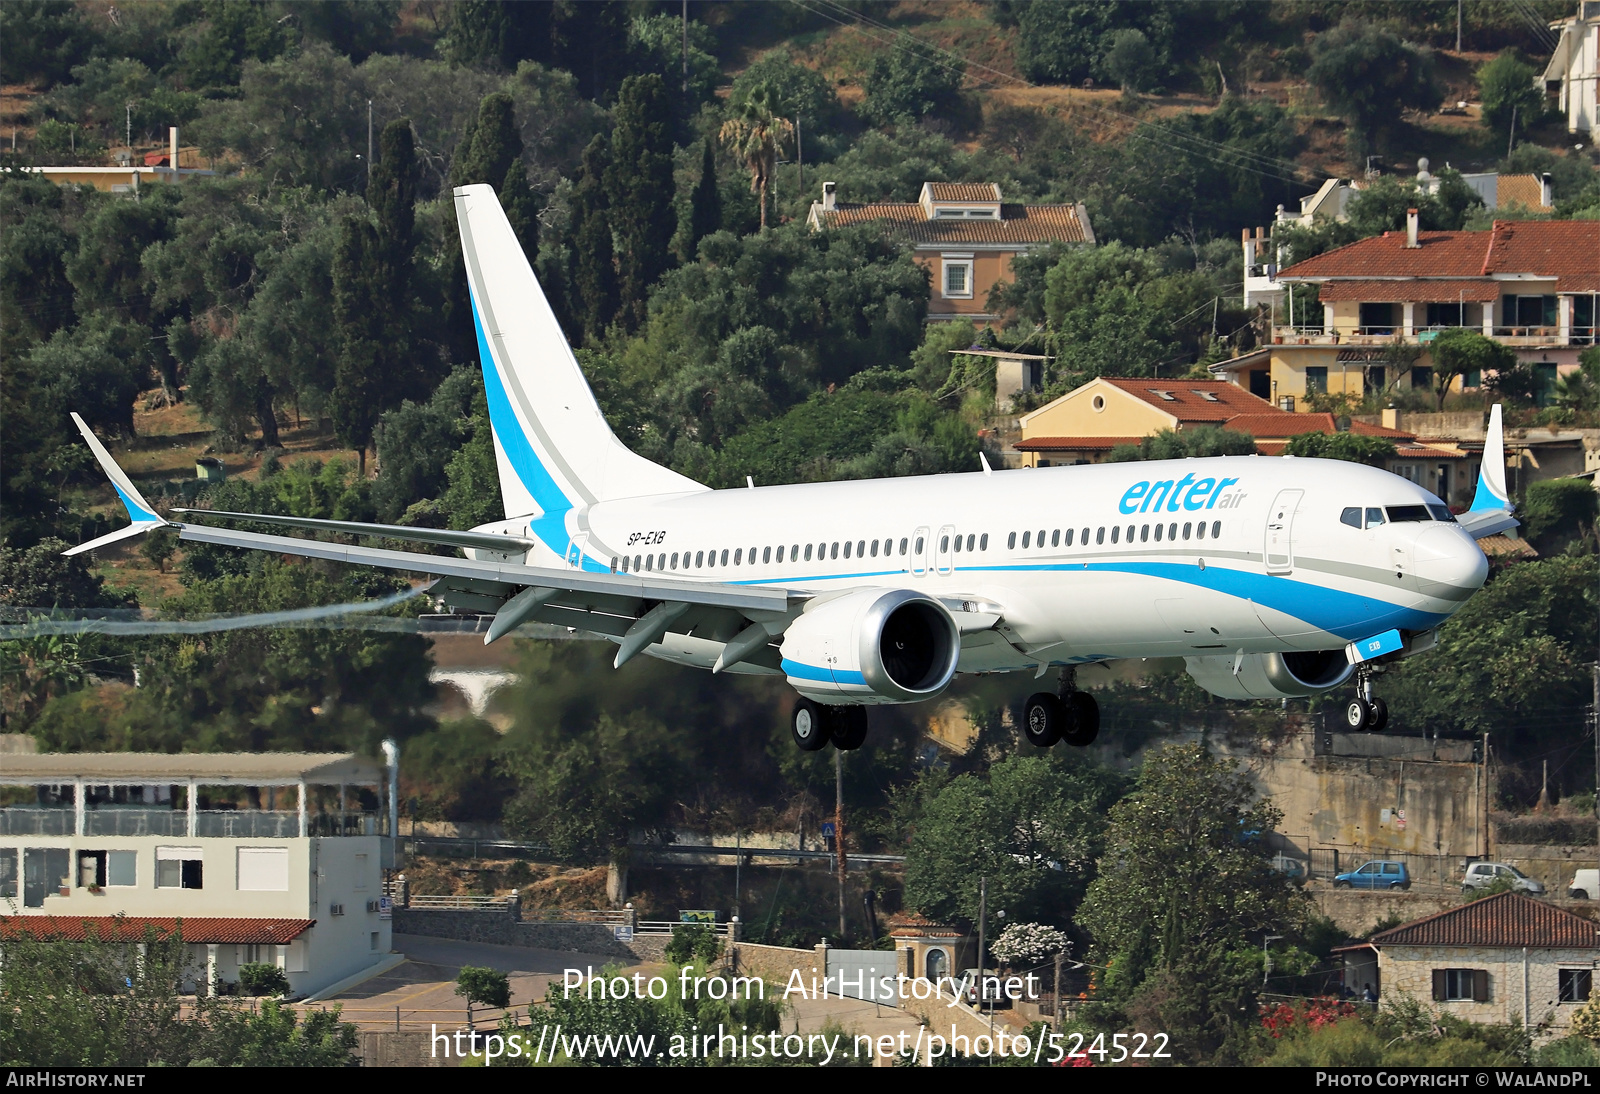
[800, 155]
[1511, 139]
[129, 133]
[685, 49]
[983, 918]
[1487, 797]
[369, 144]
[1458, 26]
[838, 823]
[1055, 1007]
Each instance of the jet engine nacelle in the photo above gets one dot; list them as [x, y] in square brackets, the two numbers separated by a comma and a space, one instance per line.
[1271, 675]
[872, 646]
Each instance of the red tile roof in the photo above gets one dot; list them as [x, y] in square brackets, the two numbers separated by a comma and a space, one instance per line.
[1280, 424]
[964, 191]
[1194, 400]
[131, 928]
[1064, 444]
[1022, 224]
[1442, 290]
[1567, 250]
[1508, 919]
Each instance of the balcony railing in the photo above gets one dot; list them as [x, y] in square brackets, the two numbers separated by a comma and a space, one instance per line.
[134, 822]
[246, 824]
[41, 821]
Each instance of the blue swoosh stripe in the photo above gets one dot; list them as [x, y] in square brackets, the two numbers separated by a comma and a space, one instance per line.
[551, 526]
[136, 512]
[1349, 615]
[801, 671]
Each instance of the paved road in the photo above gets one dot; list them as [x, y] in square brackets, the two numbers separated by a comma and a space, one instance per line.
[423, 987]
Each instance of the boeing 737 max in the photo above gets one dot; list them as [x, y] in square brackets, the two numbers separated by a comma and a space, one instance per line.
[1270, 577]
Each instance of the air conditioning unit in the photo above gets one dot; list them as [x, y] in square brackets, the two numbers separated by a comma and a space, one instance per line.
[372, 905]
[336, 909]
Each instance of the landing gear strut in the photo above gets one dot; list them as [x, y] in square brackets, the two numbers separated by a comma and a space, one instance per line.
[1070, 715]
[1364, 713]
[814, 724]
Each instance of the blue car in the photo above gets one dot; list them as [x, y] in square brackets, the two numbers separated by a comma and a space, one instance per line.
[1378, 874]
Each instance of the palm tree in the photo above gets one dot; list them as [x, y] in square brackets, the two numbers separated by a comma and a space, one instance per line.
[757, 133]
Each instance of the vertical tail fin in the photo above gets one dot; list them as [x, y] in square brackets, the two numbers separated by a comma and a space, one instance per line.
[1491, 505]
[553, 447]
[1492, 492]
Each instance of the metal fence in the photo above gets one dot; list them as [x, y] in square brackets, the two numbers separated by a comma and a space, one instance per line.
[465, 900]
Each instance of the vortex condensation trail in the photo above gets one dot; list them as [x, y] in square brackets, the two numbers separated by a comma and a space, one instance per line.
[323, 615]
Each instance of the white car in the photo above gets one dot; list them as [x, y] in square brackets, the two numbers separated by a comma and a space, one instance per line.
[1585, 885]
[1480, 875]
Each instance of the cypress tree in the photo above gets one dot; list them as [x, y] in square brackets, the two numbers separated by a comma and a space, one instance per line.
[594, 276]
[640, 187]
[490, 145]
[358, 375]
[705, 204]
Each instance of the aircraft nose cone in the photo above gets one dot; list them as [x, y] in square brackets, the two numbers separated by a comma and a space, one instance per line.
[1448, 563]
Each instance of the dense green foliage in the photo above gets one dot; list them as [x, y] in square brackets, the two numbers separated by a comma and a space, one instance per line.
[1510, 95]
[1557, 511]
[1368, 74]
[487, 987]
[1033, 825]
[111, 1004]
[1185, 890]
[1354, 447]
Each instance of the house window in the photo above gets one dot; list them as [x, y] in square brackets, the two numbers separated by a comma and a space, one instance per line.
[8, 872]
[958, 278]
[1317, 380]
[122, 868]
[1422, 378]
[180, 868]
[1377, 318]
[1574, 984]
[1446, 315]
[1460, 985]
[1528, 311]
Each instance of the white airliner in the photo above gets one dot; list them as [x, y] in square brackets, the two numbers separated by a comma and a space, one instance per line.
[1270, 577]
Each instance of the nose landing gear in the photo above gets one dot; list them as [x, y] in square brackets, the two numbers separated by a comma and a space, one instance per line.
[1070, 715]
[1363, 713]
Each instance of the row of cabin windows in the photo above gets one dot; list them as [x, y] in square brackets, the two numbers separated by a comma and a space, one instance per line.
[698, 560]
[1169, 532]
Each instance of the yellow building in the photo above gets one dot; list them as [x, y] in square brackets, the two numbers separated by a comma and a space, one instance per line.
[1531, 285]
[964, 235]
[1085, 424]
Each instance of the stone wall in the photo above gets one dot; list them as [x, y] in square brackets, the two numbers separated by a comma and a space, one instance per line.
[496, 926]
[1408, 970]
[408, 1048]
[1356, 910]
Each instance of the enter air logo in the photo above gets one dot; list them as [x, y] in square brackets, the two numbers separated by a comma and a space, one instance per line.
[1185, 493]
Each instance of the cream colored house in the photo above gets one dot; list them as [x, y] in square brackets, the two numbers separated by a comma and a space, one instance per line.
[963, 234]
[1502, 959]
[1574, 69]
[271, 857]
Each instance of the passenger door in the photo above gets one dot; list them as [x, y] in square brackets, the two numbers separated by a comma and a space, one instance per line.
[1278, 551]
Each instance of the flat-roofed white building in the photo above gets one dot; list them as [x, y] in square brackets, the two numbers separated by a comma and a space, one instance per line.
[270, 857]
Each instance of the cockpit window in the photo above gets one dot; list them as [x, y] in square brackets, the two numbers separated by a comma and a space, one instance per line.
[1441, 512]
[1402, 513]
[1351, 516]
[1374, 517]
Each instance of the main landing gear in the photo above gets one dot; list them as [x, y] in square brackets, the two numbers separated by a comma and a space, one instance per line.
[1070, 715]
[815, 724]
[1363, 713]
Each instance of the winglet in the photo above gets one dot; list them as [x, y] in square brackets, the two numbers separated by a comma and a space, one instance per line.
[140, 512]
[1492, 492]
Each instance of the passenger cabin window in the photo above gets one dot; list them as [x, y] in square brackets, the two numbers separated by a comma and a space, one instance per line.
[808, 552]
[983, 542]
[1011, 542]
[1026, 536]
[1116, 532]
[902, 545]
[1200, 531]
[1100, 536]
[919, 545]
[835, 552]
[724, 556]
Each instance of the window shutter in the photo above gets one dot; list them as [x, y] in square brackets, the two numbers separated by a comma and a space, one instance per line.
[1438, 985]
[1480, 985]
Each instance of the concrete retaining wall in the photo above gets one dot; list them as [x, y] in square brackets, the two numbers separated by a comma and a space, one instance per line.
[495, 925]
